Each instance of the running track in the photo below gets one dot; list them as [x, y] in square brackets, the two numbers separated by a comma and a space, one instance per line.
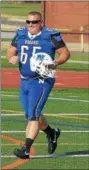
[64, 79]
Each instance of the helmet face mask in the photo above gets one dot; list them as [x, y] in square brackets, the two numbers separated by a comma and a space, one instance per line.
[39, 62]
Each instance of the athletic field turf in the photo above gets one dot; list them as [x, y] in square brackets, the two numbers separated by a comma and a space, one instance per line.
[71, 116]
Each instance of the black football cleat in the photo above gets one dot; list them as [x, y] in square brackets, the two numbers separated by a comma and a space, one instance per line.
[21, 153]
[52, 142]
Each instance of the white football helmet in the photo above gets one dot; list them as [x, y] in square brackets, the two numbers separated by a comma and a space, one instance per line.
[39, 62]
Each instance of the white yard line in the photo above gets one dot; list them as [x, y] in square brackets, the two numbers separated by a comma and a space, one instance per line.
[55, 98]
[14, 113]
[47, 156]
[78, 61]
[66, 99]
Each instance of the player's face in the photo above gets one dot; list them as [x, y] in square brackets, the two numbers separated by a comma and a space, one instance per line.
[35, 25]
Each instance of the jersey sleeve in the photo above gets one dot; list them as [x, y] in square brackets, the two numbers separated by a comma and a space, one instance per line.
[57, 41]
[14, 41]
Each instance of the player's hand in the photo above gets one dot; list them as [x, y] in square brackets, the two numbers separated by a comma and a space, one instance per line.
[13, 60]
[52, 66]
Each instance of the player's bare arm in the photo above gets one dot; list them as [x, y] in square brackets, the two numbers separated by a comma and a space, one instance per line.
[64, 55]
[11, 55]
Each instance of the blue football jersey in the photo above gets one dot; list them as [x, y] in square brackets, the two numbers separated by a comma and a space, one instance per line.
[27, 47]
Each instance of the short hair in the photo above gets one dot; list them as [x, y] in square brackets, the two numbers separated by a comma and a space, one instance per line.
[35, 13]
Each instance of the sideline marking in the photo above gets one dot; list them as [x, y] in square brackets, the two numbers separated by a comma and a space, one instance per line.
[17, 162]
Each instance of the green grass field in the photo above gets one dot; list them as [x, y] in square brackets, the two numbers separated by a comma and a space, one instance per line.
[54, 110]
[18, 9]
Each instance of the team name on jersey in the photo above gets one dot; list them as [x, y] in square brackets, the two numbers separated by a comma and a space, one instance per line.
[34, 42]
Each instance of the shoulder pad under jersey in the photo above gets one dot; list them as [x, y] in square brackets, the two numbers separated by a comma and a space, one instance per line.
[47, 32]
[21, 31]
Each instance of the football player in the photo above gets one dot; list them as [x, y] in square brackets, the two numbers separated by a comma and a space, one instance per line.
[34, 88]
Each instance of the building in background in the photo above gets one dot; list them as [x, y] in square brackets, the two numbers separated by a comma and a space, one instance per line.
[69, 17]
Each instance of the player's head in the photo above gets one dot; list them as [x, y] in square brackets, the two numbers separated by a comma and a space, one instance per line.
[34, 22]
